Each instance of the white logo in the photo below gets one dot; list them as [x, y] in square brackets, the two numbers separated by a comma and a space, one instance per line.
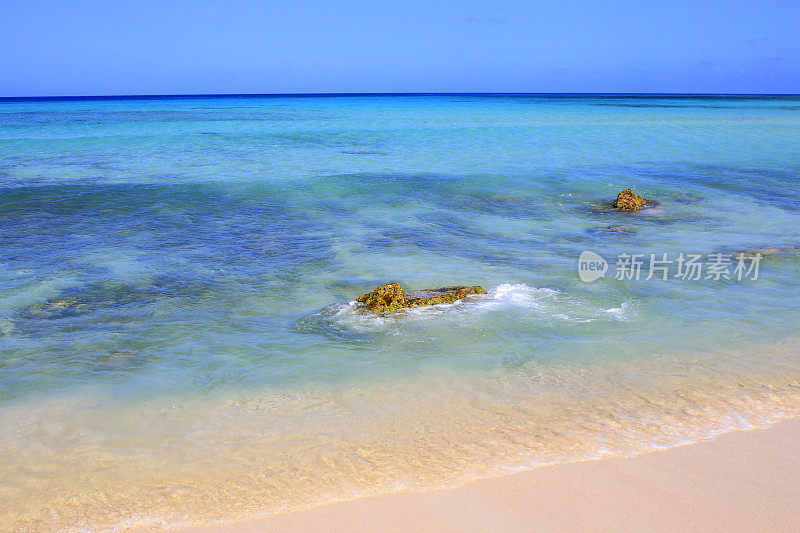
[591, 266]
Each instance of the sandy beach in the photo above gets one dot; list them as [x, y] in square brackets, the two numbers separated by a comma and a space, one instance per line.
[740, 481]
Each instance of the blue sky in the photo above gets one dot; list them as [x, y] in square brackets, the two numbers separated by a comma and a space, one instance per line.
[174, 47]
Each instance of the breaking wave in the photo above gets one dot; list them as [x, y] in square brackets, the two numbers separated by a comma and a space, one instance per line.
[519, 301]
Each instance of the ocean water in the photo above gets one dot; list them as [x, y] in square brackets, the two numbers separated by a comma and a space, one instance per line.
[179, 342]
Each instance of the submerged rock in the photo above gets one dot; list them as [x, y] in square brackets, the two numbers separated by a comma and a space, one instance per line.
[55, 308]
[619, 228]
[769, 251]
[391, 297]
[118, 360]
[612, 229]
[117, 297]
[508, 199]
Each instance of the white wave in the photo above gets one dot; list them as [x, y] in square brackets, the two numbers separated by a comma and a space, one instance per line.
[520, 295]
[620, 313]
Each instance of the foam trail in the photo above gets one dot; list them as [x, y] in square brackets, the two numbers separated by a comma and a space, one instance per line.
[531, 303]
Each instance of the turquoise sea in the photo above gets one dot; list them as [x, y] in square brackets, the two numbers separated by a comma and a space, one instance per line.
[179, 342]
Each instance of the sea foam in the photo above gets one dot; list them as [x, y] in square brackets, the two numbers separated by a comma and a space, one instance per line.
[523, 301]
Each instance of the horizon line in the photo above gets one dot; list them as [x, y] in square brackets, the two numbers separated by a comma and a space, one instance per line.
[371, 94]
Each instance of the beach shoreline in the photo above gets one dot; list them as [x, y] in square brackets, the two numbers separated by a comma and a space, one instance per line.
[741, 480]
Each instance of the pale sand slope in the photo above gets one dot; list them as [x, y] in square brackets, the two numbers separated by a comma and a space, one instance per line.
[741, 481]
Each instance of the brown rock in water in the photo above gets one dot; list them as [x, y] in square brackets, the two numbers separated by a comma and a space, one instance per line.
[391, 297]
[441, 296]
[628, 200]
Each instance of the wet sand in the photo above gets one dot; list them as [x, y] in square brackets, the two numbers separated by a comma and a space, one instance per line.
[740, 481]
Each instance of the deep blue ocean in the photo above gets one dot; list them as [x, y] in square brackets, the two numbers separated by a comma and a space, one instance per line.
[178, 276]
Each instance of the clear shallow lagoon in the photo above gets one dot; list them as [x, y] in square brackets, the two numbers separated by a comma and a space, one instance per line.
[177, 343]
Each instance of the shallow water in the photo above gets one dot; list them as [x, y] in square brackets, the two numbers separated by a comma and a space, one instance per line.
[179, 341]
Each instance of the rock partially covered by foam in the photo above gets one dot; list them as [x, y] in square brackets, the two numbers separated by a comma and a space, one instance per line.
[442, 295]
[391, 297]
